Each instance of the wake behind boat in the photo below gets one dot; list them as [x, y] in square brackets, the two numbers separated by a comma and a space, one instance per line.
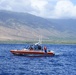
[33, 50]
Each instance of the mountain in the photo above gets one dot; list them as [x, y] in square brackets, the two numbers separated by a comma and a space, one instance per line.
[15, 26]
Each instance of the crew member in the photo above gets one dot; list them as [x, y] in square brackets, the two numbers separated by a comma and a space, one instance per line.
[45, 49]
[31, 48]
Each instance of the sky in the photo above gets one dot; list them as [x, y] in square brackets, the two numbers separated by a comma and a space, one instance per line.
[43, 8]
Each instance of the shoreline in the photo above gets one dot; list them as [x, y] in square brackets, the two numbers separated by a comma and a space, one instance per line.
[31, 42]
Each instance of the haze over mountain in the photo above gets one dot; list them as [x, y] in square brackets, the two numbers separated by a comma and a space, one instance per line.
[15, 26]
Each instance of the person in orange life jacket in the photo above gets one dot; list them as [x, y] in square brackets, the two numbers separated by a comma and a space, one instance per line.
[45, 49]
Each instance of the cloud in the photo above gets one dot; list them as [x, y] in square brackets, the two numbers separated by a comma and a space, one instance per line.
[16, 5]
[38, 6]
[43, 8]
[65, 9]
[56, 8]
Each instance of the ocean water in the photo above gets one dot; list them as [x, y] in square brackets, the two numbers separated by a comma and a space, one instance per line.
[63, 63]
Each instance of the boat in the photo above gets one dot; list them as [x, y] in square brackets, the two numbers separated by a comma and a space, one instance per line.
[33, 50]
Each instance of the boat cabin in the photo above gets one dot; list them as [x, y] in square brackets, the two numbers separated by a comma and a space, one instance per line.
[35, 47]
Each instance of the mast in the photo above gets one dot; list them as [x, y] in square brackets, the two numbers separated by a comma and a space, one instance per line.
[40, 39]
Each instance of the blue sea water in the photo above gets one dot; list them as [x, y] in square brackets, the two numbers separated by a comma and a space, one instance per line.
[63, 63]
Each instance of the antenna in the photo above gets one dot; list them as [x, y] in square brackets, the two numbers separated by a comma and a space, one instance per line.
[40, 39]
